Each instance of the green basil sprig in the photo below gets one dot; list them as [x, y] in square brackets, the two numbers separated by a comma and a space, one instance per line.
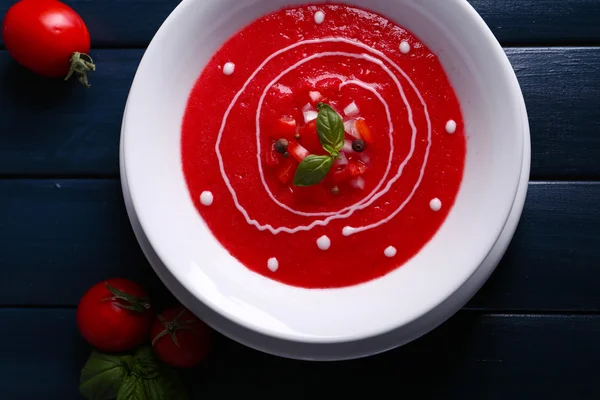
[330, 129]
[127, 377]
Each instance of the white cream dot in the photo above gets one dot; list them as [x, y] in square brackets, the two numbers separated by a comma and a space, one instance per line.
[435, 204]
[390, 251]
[206, 198]
[348, 230]
[319, 17]
[404, 47]
[451, 126]
[324, 243]
[273, 264]
[228, 68]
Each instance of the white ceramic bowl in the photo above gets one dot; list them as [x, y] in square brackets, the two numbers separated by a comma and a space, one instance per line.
[338, 350]
[496, 125]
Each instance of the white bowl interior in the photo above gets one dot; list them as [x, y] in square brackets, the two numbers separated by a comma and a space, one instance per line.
[495, 120]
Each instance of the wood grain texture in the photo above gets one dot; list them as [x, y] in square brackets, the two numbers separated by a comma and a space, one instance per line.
[115, 23]
[50, 128]
[78, 230]
[472, 356]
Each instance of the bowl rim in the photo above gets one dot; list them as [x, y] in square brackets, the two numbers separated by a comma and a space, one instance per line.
[171, 20]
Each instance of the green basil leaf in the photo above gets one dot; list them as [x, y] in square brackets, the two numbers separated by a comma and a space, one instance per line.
[129, 361]
[330, 129]
[166, 386]
[169, 385]
[147, 365]
[102, 376]
[132, 389]
[312, 170]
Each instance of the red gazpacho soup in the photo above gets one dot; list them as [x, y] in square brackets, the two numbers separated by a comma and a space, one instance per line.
[323, 145]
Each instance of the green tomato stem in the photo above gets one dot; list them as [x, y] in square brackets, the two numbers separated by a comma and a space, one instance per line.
[81, 64]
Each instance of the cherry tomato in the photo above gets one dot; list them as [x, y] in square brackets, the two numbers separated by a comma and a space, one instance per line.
[49, 38]
[114, 315]
[179, 338]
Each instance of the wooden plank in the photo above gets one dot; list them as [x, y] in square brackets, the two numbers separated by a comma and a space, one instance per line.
[561, 97]
[541, 22]
[53, 127]
[75, 132]
[78, 230]
[115, 23]
[471, 356]
[553, 261]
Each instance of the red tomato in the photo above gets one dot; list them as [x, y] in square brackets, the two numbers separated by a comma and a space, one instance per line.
[285, 128]
[356, 168]
[287, 170]
[310, 139]
[272, 157]
[297, 151]
[179, 338]
[49, 38]
[339, 175]
[114, 315]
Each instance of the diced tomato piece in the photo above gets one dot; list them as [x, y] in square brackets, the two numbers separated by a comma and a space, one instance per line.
[297, 151]
[356, 168]
[309, 138]
[286, 170]
[285, 127]
[339, 175]
[364, 131]
[272, 157]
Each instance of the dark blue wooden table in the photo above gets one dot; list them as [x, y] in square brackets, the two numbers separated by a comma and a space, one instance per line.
[533, 332]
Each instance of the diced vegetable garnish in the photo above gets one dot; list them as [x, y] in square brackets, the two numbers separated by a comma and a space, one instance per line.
[339, 175]
[347, 146]
[364, 131]
[358, 183]
[315, 96]
[343, 160]
[364, 157]
[285, 128]
[286, 170]
[310, 115]
[308, 107]
[350, 128]
[297, 151]
[272, 157]
[351, 110]
[356, 167]
[309, 138]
